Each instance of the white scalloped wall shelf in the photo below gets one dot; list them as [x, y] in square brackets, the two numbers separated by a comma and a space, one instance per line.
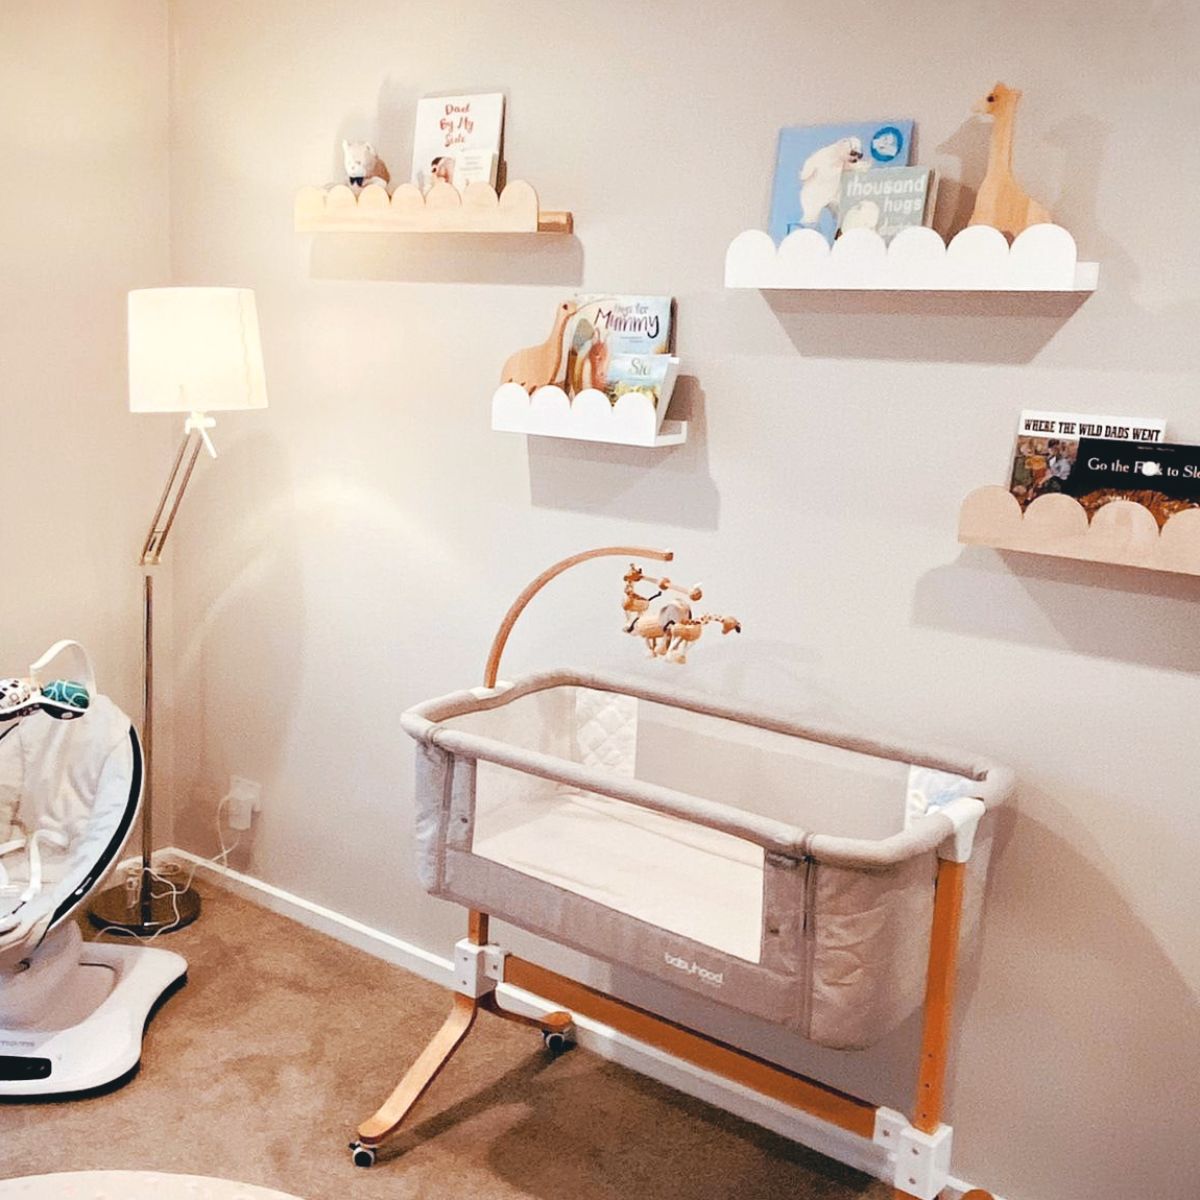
[589, 417]
[979, 259]
[1121, 532]
[477, 209]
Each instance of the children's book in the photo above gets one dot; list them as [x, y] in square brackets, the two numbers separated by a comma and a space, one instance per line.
[651, 374]
[886, 199]
[1048, 447]
[1161, 476]
[604, 327]
[458, 139]
[810, 164]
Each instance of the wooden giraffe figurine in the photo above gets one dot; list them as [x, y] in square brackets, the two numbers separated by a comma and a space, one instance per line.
[1001, 202]
[536, 366]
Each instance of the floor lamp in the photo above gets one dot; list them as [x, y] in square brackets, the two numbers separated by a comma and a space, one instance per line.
[191, 350]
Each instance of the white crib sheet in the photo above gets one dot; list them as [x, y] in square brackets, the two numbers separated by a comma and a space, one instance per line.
[693, 881]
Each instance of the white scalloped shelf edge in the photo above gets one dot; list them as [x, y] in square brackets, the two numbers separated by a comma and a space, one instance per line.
[1121, 532]
[477, 209]
[589, 417]
[1043, 258]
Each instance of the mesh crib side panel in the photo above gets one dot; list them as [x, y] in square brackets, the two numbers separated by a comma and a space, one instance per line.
[870, 950]
[432, 812]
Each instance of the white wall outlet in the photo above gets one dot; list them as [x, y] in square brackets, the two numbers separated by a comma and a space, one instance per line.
[245, 799]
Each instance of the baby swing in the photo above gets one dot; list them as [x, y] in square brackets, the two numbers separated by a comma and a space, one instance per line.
[71, 1014]
[806, 875]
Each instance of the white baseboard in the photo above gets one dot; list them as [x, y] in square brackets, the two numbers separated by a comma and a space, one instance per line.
[856, 1152]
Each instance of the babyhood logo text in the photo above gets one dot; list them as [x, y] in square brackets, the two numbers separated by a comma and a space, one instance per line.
[716, 978]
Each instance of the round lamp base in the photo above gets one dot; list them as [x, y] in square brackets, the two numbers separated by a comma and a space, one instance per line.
[120, 910]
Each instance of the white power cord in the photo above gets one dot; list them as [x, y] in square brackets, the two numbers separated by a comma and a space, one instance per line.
[164, 875]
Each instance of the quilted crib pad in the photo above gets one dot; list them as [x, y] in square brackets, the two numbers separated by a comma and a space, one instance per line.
[779, 868]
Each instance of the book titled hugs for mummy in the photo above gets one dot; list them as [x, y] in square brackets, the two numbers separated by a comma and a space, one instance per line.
[608, 330]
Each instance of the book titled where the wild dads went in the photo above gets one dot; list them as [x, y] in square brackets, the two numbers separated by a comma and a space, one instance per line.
[812, 161]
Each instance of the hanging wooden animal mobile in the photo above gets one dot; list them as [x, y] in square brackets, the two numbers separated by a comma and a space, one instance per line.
[536, 366]
[1001, 201]
[664, 621]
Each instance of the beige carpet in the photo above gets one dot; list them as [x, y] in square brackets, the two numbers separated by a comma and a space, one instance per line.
[283, 1039]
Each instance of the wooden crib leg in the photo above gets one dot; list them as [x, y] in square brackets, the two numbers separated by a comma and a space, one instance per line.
[421, 1074]
[441, 1049]
[939, 998]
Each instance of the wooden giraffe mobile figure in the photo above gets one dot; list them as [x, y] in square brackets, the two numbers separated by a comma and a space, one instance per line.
[1001, 202]
[536, 366]
[669, 627]
[684, 633]
[635, 603]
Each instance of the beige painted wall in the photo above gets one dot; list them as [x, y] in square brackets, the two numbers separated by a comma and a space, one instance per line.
[356, 544]
[83, 218]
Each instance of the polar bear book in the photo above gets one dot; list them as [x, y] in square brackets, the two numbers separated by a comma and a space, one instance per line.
[812, 162]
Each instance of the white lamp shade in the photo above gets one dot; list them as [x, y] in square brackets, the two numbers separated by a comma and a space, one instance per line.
[194, 349]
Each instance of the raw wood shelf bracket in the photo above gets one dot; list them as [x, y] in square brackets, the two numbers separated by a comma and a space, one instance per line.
[1121, 532]
[444, 209]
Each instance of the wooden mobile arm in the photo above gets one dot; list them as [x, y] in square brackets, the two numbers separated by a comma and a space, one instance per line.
[491, 672]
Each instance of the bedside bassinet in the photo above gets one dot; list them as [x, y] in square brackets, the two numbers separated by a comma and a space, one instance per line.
[809, 876]
[779, 868]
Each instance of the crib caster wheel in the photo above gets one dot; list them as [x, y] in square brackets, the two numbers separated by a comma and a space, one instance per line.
[557, 1041]
[558, 1033]
[362, 1156]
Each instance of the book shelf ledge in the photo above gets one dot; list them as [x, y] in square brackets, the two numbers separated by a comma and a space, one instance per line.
[1121, 532]
[589, 417]
[979, 259]
[478, 209]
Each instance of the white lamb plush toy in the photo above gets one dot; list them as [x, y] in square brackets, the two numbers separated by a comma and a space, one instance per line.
[821, 176]
[363, 166]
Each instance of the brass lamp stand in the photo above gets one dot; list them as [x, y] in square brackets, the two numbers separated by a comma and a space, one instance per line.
[192, 350]
[144, 911]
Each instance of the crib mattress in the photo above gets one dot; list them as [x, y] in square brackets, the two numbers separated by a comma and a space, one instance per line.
[691, 880]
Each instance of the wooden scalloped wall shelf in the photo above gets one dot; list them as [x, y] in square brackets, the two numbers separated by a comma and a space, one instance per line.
[1121, 532]
[589, 417]
[477, 209]
[979, 259]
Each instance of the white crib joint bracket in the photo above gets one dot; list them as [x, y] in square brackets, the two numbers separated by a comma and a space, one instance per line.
[477, 969]
[965, 813]
[921, 1160]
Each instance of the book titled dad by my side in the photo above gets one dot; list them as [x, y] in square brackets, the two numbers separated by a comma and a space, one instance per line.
[457, 140]
[812, 161]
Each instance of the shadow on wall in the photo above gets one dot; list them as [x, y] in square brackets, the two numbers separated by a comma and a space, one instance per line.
[994, 327]
[1074, 981]
[233, 653]
[537, 259]
[955, 196]
[670, 486]
[1064, 605]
